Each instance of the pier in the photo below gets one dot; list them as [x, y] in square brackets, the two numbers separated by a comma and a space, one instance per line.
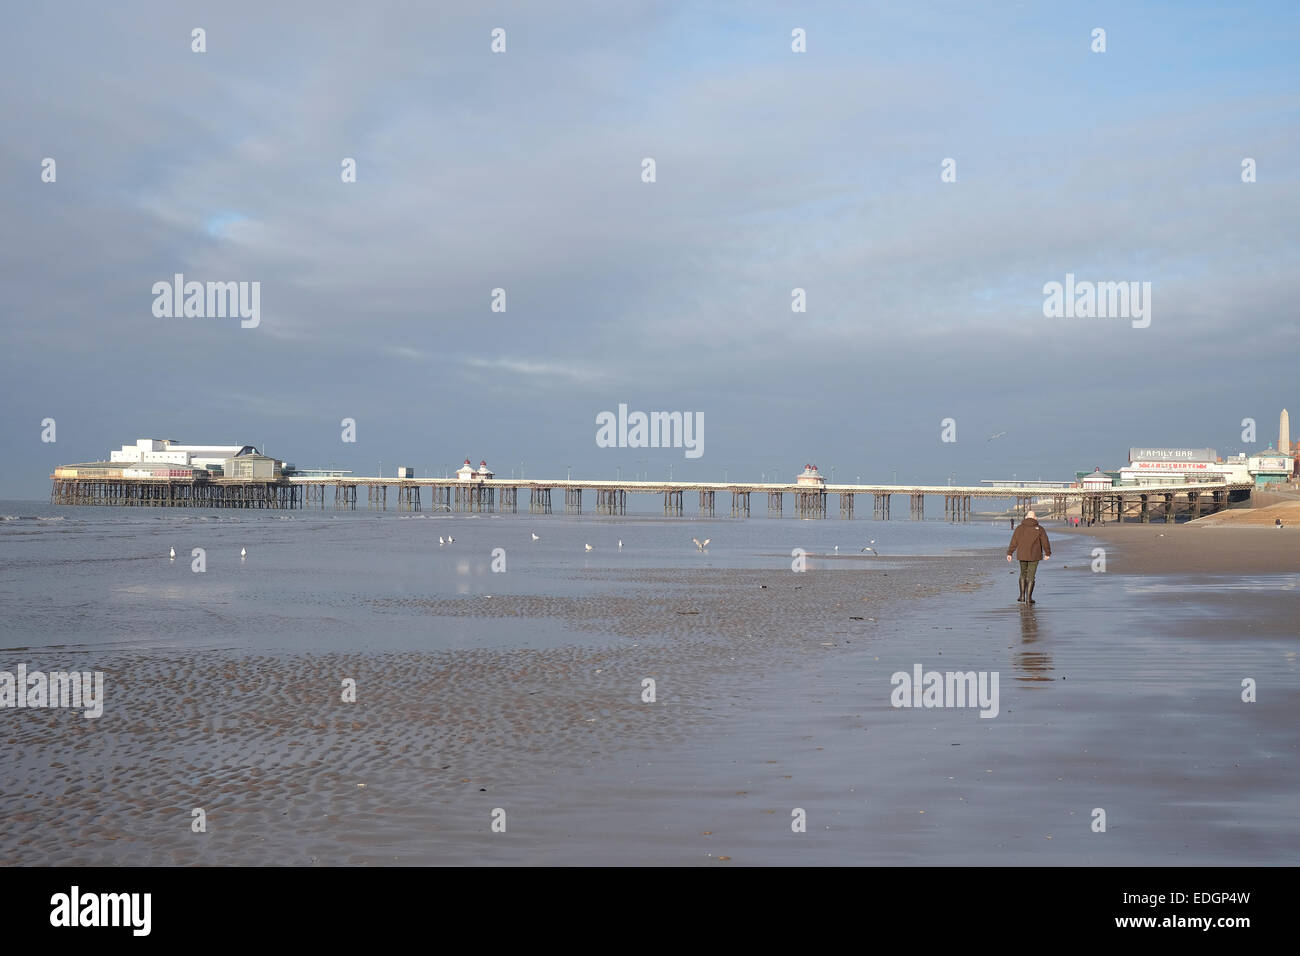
[1143, 503]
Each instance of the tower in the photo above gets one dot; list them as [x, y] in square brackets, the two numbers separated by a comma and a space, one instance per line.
[1284, 434]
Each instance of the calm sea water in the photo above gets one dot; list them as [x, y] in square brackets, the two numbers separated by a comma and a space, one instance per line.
[101, 576]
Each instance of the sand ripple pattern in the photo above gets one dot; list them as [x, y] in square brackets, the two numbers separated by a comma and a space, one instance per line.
[287, 773]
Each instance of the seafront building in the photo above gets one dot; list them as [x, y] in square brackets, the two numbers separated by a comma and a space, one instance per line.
[165, 458]
[1150, 467]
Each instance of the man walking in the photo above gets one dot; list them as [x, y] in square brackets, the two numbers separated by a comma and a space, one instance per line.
[1030, 545]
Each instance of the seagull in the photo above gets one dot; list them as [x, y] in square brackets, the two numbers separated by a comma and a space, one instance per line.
[620, 544]
[871, 549]
[243, 552]
[536, 536]
[700, 546]
[440, 541]
[587, 546]
[173, 553]
[837, 549]
[995, 435]
[450, 539]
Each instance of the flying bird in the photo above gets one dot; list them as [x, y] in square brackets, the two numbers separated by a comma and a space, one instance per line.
[871, 549]
[701, 546]
[995, 435]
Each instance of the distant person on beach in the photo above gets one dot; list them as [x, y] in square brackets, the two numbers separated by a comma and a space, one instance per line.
[1030, 545]
[1277, 522]
[1013, 523]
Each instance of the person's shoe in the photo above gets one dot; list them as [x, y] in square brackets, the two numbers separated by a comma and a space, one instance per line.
[1022, 592]
[1029, 598]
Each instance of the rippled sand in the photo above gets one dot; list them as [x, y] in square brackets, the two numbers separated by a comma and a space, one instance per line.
[286, 772]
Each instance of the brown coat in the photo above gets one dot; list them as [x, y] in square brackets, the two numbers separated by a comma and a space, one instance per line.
[1029, 542]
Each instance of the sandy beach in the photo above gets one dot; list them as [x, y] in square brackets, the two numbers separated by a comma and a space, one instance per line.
[522, 692]
[288, 773]
[1239, 541]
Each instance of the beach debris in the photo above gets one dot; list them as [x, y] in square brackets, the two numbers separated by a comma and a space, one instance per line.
[688, 612]
[857, 618]
[361, 786]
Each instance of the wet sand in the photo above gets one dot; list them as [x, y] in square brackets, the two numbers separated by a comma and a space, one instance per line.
[1119, 691]
[288, 773]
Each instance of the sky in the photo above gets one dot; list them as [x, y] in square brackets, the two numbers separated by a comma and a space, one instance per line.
[775, 170]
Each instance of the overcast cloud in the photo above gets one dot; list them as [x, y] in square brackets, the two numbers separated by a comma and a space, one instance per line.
[522, 170]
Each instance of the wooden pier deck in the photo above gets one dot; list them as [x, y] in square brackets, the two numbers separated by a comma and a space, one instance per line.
[501, 495]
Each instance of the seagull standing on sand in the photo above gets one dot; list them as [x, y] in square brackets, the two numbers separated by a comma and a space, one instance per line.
[620, 544]
[450, 539]
[173, 553]
[243, 553]
[587, 546]
[440, 541]
[871, 549]
[701, 546]
[536, 536]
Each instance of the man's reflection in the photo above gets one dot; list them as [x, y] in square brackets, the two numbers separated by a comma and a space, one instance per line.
[1030, 663]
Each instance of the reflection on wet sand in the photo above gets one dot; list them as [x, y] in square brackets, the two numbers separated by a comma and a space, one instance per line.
[1033, 665]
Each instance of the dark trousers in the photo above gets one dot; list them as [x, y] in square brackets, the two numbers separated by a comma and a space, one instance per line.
[1027, 571]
